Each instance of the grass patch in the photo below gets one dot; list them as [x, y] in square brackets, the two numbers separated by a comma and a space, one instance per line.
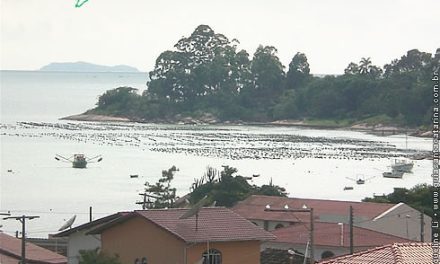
[329, 122]
[378, 119]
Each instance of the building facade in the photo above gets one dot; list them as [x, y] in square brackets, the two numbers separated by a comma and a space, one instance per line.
[216, 235]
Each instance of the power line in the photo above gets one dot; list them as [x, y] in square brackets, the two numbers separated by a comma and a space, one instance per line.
[311, 230]
[351, 230]
[22, 219]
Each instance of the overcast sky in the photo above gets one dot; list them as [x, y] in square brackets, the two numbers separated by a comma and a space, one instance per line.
[135, 32]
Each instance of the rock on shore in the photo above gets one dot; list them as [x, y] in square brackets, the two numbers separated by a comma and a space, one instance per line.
[96, 118]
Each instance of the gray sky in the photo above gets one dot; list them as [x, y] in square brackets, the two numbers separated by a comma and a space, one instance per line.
[135, 32]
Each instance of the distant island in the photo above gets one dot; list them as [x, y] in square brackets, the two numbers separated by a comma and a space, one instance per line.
[86, 67]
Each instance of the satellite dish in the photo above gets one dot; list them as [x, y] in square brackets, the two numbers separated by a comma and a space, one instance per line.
[195, 209]
[68, 223]
[200, 261]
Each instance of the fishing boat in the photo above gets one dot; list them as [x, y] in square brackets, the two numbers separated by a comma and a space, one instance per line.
[402, 165]
[79, 161]
[393, 174]
[360, 180]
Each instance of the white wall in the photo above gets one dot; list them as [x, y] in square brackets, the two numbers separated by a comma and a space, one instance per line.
[79, 241]
[398, 221]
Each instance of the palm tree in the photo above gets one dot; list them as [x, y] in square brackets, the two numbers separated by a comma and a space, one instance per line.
[365, 65]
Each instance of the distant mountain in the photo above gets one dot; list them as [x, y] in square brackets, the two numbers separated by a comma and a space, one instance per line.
[86, 67]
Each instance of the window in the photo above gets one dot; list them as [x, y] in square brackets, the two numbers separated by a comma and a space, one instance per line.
[141, 261]
[213, 256]
[279, 226]
[327, 254]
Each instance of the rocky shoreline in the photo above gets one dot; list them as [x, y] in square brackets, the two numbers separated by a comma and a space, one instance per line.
[208, 119]
[96, 118]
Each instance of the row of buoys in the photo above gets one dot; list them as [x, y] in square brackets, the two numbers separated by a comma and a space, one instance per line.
[224, 143]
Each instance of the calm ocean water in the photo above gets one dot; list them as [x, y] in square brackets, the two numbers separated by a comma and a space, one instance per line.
[307, 162]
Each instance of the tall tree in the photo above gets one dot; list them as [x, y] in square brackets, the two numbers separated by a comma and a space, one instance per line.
[365, 65]
[352, 69]
[184, 75]
[268, 78]
[364, 68]
[164, 195]
[413, 61]
[299, 71]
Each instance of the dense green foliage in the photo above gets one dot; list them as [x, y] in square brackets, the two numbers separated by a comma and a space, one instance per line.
[226, 189]
[223, 187]
[207, 73]
[418, 197]
[161, 194]
[97, 257]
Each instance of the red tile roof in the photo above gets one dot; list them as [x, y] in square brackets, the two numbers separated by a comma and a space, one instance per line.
[213, 224]
[90, 225]
[254, 206]
[5, 259]
[11, 246]
[329, 234]
[398, 253]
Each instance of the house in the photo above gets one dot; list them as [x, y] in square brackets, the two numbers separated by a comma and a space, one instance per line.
[330, 239]
[78, 239]
[397, 253]
[57, 244]
[10, 252]
[395, 219]
[213, 235]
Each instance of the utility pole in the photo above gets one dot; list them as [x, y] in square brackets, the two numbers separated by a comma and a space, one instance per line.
[422, 227]
[311, 229]
[312, 243]
[22, 219]
[351, 230]
[146, 203]
[90, 214]
[7, 214]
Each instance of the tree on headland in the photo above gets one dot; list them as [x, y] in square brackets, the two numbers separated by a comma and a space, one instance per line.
[121, 101]
[268, 78]
[299, 71]
[364, 68]
[205, 73]
[352, 69]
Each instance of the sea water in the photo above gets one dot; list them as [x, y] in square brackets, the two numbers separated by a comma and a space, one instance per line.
[309, 163]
